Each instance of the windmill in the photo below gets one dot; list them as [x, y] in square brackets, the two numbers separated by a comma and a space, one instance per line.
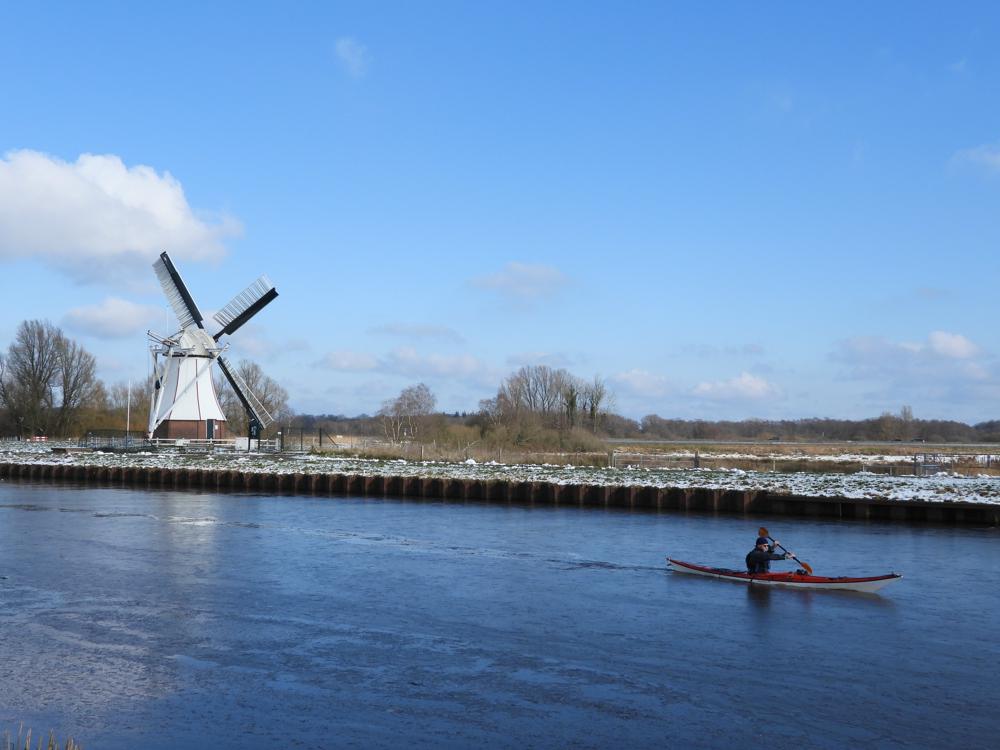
[184, 403]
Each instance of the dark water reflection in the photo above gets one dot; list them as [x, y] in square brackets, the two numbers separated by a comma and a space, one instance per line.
[162, 619]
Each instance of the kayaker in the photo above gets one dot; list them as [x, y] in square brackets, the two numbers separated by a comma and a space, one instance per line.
[759, 558]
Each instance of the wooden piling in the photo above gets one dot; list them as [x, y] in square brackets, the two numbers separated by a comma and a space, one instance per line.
[706, 500]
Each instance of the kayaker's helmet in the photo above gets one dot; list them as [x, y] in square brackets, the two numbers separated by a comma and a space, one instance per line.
[762, 540]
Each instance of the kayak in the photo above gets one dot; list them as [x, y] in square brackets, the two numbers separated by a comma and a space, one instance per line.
[796, 580]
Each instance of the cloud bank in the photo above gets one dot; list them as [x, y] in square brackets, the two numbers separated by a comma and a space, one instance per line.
[743, 386]
[407, 361]
[114, 318]
[943, 356]
[97, 216]
[642, 383]
[418, 331]
[522, 281]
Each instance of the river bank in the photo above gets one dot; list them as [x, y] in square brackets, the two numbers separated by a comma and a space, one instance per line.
[949, 500]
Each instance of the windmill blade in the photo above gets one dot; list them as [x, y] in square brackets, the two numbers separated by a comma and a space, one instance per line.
[244, 306]
[250, 402]
[177, 294]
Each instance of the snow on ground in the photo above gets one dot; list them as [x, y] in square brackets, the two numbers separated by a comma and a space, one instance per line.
[833, 458]
[939, 488]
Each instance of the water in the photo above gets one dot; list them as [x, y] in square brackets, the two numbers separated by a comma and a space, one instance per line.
[168, 619]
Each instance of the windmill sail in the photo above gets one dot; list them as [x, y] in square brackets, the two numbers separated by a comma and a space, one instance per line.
[255, 409]
[184, 404]
[177, 294]
[244, 306]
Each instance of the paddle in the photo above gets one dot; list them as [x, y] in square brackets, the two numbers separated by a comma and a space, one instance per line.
[762, 531]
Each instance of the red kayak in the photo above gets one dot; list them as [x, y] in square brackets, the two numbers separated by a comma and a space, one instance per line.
[796, 580]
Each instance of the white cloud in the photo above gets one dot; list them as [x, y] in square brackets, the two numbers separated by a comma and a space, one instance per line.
[523, 281]
[411, 330]
[952, 345]
[113, 318]
[97, 216]
[946, 368]
[975, 371]
[406, 361]
[642, 383]
[939, 374]
[744, 386]
[353, 56]
[873, 355]
[349, 361]
[985, 157]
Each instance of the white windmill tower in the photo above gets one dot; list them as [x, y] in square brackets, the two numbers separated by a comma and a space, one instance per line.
[184, 403]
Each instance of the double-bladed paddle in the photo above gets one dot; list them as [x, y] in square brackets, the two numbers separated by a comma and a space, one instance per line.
[762, 531]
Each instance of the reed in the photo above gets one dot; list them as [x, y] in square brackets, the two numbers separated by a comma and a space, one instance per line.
[23, 741]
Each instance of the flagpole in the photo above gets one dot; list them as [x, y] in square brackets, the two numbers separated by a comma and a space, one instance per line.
[128, 411]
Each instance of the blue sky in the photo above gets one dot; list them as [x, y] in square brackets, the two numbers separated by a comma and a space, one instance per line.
[727, 211]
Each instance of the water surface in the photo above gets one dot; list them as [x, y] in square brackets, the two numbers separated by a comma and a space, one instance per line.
[168, 619]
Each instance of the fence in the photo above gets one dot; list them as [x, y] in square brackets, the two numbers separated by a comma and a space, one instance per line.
[917, 464]
[117, 440]
[135, 440]
[229, 445]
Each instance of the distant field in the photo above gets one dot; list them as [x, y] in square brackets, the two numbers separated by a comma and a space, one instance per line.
[898, 458]
[768, 448]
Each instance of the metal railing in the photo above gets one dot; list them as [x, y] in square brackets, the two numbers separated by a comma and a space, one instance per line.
[229, 445]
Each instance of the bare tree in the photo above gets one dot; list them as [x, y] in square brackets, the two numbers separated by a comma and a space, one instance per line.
[571, 401]
[537, 399]
[77, 382]
[404, 415]
[46, 379]
[392, 419]
[273, 397]
[536, 389]
[417, 404]
[492, 411]
[595, 395]
[128, 403]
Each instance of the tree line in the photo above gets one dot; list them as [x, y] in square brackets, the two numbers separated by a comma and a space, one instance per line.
[49, 386]
[537, 407]
[886, 427]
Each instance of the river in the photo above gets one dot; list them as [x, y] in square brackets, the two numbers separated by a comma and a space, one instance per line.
[151, 619]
